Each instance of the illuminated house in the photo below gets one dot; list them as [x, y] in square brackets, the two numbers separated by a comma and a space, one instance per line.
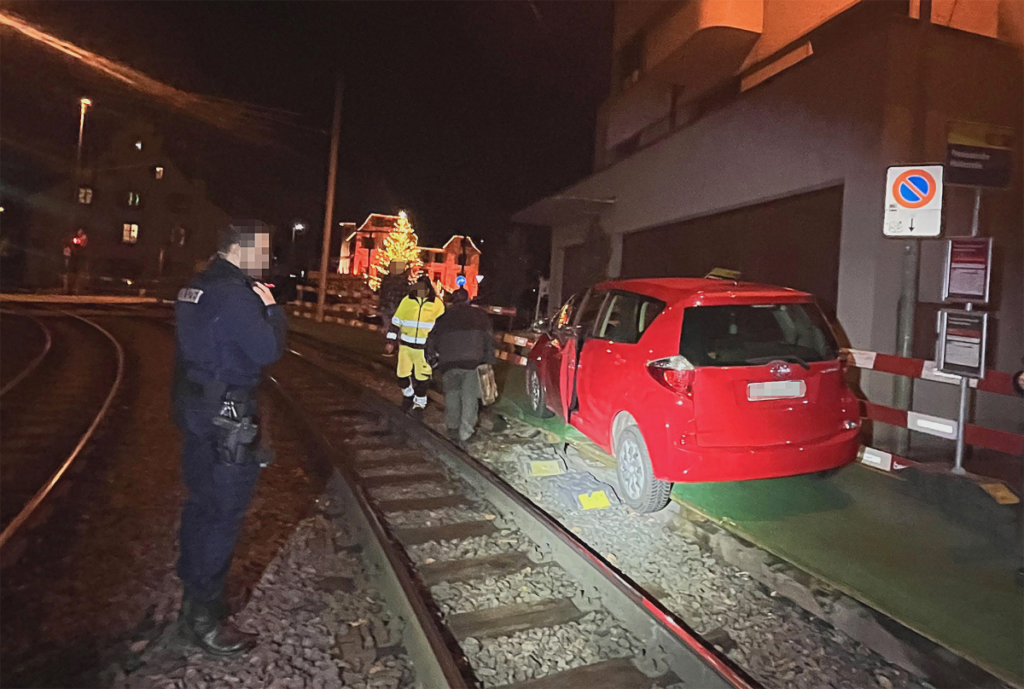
[458, 257]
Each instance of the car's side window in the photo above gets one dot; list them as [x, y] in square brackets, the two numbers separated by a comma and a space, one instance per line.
[619, 320]
[626, 317]
[649, 310]
[589, 312]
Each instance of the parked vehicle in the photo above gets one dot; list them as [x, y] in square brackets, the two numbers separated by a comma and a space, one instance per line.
[690, 380]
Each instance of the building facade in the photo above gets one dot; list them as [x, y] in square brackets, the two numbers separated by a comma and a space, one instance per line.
[142, 219]
[458, 257]
[755, 135]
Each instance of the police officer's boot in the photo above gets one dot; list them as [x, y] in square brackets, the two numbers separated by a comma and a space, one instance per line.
[218, 607]
[214, 636]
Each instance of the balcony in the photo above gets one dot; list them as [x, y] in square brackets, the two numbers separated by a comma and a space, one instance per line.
[703, 42]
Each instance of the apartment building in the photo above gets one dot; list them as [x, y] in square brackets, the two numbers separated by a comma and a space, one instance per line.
[755, 135]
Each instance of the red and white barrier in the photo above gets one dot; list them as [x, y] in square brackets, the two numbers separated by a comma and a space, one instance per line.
[994, 381]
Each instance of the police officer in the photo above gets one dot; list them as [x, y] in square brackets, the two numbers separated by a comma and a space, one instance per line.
[228, 328]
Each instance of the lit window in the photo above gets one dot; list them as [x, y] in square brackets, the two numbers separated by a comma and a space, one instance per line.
[138, 144]
[129, 233]
[85, 195]
[158, 172]
[134, 199]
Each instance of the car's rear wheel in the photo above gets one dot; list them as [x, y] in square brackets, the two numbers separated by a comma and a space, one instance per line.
[637, 486]
[535, 392]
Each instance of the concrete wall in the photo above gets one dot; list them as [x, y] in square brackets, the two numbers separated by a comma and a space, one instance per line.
[839, 117]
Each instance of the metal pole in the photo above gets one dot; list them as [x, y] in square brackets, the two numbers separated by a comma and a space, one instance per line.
[965, 387]
[961, 421]
[332, 170]
[903, 387]
[976, 215]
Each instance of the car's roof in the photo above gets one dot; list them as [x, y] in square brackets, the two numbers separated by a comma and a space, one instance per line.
[673, 290]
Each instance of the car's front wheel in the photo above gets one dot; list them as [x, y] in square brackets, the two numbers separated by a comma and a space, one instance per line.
[637, 485]
[535, 392]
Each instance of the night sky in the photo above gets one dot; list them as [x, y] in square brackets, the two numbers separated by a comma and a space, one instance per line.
[460, 113]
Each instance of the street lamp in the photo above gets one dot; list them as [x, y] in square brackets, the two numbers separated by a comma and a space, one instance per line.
[297, 227]
[84, 104]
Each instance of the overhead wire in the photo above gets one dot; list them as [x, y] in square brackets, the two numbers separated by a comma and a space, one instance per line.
[253, 122]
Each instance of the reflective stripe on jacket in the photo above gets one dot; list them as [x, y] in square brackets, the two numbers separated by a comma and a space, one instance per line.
[414, 320]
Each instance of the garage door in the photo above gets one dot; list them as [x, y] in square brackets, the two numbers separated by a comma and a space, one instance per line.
[792, 242]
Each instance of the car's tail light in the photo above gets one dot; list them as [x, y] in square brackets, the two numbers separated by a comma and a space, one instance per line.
[674, 373]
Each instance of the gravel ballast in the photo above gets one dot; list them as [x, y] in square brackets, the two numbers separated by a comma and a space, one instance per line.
[506, 541]
[544, 651]
[776, 641]
[528, 586]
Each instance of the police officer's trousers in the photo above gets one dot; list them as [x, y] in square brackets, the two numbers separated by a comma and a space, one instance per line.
[218, 497]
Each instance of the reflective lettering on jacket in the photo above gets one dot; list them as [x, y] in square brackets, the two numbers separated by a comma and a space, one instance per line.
[414, 320]
[190, 294]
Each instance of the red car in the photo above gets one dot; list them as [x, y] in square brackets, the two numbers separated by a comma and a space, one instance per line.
[688, 380]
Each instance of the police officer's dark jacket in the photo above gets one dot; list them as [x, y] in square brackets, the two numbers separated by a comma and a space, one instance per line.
[224, 331]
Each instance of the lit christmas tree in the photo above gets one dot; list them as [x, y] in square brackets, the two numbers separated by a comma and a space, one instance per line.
[400, 244]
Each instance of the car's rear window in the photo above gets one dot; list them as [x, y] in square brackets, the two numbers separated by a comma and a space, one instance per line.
[750, 335]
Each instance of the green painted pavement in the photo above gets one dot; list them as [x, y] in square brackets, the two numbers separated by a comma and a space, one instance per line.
[898, 546]
[936, 554]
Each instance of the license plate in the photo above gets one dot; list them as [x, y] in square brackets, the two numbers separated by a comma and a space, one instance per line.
[776, 390]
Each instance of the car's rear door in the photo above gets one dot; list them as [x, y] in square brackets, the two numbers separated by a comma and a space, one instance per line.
[611, 360]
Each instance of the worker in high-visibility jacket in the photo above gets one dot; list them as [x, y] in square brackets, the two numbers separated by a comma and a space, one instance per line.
[409, 329]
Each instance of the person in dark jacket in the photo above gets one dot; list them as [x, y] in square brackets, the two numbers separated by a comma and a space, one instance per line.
[227, 328]
[461, 340]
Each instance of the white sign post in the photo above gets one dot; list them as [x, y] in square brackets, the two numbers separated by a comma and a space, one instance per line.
[913, 201]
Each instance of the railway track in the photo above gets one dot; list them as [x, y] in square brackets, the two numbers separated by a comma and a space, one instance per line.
[494, 591]
[49, 413]
[21, 351]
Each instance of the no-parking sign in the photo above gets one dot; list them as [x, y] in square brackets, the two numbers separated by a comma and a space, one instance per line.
[913, 201]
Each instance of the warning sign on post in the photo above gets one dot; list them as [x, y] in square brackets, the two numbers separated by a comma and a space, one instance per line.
[913, 201]
[968, 269]
[962, 340]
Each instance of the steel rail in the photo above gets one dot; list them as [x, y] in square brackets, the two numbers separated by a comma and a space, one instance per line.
[41, 494]
[430, 645]
[647, 617]
[39, 357]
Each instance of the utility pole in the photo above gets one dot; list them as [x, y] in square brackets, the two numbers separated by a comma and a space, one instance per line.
[903, 387]
[332, 171]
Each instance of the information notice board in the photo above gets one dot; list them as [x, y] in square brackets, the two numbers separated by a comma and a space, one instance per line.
[968, 270]
[963, 337]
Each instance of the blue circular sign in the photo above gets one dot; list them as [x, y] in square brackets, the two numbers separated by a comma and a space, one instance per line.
[461, 281]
